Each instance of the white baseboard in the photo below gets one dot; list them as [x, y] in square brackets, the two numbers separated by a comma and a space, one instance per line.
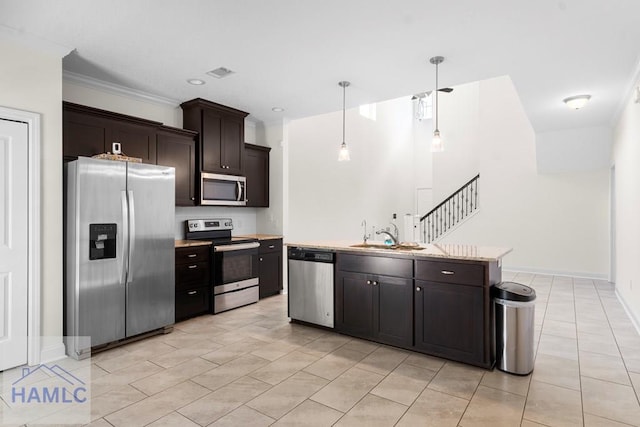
[578, 274]
[52, 352]
[634, 320]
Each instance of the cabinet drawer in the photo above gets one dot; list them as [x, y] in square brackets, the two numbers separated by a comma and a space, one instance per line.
[450, 272]
[191, 302]
[192, 255]
[272, 245]
[189, 274]
[398, 267]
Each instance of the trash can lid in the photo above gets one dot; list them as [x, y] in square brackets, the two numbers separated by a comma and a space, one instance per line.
[512, 291]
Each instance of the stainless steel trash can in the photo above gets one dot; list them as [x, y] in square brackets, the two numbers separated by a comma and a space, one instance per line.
[514, 311]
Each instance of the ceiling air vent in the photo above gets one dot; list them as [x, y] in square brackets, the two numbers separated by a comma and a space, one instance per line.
[220, 72]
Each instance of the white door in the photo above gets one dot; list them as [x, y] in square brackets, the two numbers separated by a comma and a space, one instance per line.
[14, 241]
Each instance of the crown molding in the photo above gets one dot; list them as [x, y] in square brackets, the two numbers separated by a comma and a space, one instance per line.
[93, 83]
[34, 42]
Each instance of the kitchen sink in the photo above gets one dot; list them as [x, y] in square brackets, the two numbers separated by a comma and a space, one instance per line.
[388, 247]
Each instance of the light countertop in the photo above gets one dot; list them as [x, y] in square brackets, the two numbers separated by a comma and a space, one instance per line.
[191, 243]
[449, 250]
[261, 236]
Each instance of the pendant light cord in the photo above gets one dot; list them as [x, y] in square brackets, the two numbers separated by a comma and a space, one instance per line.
[437, 112]
[344, 97]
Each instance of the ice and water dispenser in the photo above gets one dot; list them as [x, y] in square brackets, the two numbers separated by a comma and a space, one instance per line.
[102, 241]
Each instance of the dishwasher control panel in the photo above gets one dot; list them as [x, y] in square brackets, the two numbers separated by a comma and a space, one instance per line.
[313, 255]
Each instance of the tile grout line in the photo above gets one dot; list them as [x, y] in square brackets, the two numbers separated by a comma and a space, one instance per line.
[617, 345]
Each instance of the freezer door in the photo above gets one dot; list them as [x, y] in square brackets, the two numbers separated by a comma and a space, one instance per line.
[151, 272]
[94, 287]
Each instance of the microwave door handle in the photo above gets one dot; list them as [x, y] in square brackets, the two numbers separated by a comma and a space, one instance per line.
[239, 187]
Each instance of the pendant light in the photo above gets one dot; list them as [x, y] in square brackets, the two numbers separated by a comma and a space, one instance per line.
[343, 156]
[436, 142]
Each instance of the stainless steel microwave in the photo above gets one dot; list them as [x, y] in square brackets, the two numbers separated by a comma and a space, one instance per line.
[223, 190]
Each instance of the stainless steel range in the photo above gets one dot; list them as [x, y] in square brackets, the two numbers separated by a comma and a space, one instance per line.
[234, 266]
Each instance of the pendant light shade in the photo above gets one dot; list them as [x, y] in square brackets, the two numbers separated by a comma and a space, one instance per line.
[343, 155]
[436, 142]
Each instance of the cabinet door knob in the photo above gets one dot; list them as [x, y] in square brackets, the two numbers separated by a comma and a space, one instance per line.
[375, 283]
[418, 289]
[270, 246]
[368, 282]
[447, 272]
[260, 259]
[192, 292]
[193, 266]
[192, 255]
[193, 198]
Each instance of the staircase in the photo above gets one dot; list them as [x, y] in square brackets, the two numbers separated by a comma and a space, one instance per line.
[454, 210]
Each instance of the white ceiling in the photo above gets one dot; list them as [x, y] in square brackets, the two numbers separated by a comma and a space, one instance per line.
[292, 53]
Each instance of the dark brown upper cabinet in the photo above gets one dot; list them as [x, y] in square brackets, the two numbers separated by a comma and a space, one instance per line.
[256, 169]
[177, 148]
[89, 131]
[221, 132]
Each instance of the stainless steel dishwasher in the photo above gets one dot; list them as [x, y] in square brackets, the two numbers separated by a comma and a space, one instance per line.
[311, 285]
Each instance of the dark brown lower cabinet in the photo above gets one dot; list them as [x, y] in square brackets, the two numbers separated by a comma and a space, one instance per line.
[442, 308]
[449, 320]
[372, 305]
[270, 269]
[193, 287]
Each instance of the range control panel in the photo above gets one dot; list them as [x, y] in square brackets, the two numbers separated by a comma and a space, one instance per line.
[209, 224]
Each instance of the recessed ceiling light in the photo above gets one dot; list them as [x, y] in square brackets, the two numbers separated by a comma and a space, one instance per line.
[196, 82]
[220, 72]
[277, 109]
[577, 102]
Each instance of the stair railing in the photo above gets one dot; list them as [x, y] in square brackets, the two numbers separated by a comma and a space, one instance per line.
[451, 212]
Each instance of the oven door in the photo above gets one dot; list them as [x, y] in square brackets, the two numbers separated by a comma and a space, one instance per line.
[235, 266]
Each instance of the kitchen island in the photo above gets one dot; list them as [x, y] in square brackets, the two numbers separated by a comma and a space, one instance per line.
[434, 299]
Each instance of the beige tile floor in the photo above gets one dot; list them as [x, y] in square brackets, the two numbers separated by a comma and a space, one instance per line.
[251, 367]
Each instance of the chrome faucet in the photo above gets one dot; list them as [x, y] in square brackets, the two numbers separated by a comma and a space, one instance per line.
[393, 236]
[365, 236]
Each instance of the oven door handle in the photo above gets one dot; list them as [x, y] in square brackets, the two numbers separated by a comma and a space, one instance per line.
[236, 247]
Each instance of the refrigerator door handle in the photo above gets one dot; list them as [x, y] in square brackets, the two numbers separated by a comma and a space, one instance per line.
[132, 235]
[125, 237]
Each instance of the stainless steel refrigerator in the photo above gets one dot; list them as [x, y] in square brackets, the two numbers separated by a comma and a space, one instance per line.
[119, 275]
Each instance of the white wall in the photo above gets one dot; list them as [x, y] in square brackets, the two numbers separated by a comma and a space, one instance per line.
[163, 112]
[329, 199]
[555, 223]
[626, 157]
[459, 128]
[271, 220]
[574, 150]
[31, 79]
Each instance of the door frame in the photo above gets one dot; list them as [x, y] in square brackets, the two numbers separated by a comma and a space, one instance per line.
[32, 120]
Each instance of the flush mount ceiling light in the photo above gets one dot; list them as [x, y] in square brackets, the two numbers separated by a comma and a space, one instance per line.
[577, 102]
[343, 156]
[196, 82]
[220, 72]
[436, 142]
